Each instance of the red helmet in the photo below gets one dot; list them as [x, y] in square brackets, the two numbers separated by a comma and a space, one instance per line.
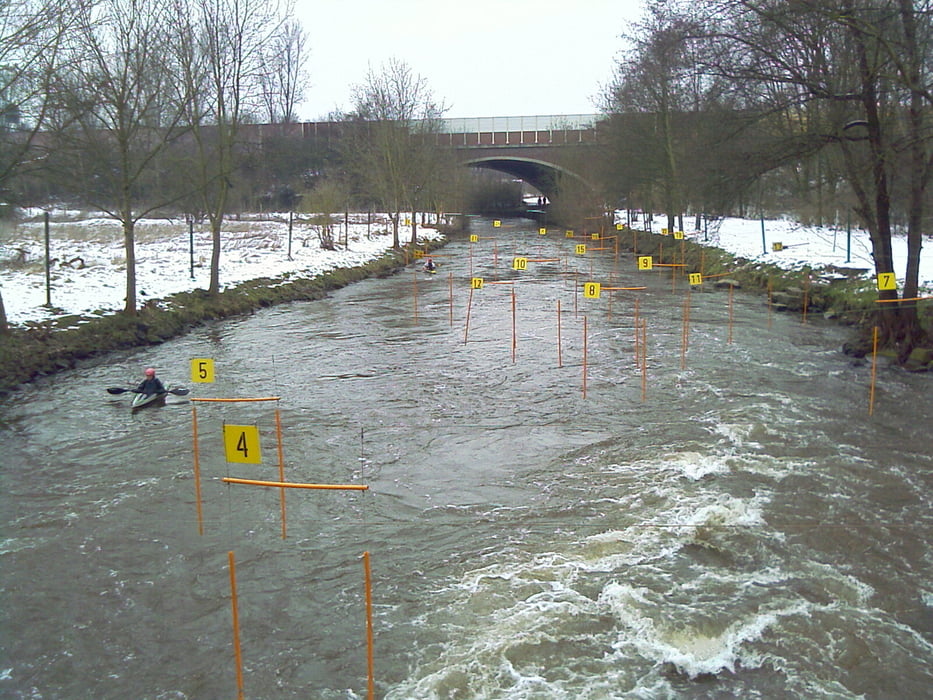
[150, 372]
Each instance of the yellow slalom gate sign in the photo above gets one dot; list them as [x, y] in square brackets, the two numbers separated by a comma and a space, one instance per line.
[886, 281]
[241, 444]
[202, 370]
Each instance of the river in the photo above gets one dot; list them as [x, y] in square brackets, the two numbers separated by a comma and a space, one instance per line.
[725, 522]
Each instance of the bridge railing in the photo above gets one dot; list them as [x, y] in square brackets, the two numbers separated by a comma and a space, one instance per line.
[539, 122]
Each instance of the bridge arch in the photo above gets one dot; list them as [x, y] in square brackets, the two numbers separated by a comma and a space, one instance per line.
[541, 174]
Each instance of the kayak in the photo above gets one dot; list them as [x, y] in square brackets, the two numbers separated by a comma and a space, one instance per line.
[140, 400]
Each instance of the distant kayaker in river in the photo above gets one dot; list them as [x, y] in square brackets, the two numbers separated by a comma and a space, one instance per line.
[429, 266]
[151, 384]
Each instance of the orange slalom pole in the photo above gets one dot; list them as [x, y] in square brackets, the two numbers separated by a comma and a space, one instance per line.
[236, 627]
[514, 337]
[584, 357]
[895, 301]
[466, 327]
[874, 370]
[290, 485]
[560, 357]
[197, 468]
[644, 359]
[370, 665]
[685, 332]
[278, 435]
[266, 398]
[637, 323]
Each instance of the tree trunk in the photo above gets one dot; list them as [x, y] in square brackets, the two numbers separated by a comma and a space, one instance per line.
[414, 229]
[214, 286]
[129, 244]
[4, 326]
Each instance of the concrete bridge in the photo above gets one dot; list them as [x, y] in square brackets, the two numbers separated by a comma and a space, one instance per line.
[541, 150]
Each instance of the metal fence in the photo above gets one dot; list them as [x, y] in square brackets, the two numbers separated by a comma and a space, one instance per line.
[540, 122]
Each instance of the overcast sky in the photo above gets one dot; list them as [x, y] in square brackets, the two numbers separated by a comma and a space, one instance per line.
[483, 58]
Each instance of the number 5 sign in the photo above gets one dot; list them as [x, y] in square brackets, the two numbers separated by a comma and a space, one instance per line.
[202, 370]
[241, 444]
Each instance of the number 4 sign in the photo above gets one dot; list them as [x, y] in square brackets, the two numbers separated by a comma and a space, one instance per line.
[241, 444]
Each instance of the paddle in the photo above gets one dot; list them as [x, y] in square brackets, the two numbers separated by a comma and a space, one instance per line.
[121, 390]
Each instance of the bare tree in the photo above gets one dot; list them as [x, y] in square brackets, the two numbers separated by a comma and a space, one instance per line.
[656, 77]
[223, 57]
[284, 78]
[119, 106]
[392, 152]
[30, 46]
[867, 64]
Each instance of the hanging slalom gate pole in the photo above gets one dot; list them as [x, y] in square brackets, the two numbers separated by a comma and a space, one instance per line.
[514, 336]
[686, 331]
[637, 325]
[560, 358]
[370, 666]
[281, 449]
[584, 357]
[644, 359]
[237, 655]
[415, 292]
[466, 327]
[197, 468]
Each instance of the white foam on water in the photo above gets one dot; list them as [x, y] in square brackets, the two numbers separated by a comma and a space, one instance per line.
[694, 650]
[695, 465]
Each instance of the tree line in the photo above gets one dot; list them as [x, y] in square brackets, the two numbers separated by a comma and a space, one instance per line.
[801, 107]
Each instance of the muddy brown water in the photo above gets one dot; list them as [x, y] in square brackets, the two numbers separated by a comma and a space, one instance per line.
[744, 530]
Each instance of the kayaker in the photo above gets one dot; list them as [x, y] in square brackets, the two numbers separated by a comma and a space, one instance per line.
[429, 266]
[151, 384]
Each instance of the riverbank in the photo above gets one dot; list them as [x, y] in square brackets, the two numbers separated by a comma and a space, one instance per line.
[44, 348]
[836, 294]
[47, 347]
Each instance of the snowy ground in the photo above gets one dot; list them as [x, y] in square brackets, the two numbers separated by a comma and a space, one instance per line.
[89, 272]
[88, 275]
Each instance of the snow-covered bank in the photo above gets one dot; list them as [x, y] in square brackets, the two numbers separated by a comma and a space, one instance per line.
[89, 274]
